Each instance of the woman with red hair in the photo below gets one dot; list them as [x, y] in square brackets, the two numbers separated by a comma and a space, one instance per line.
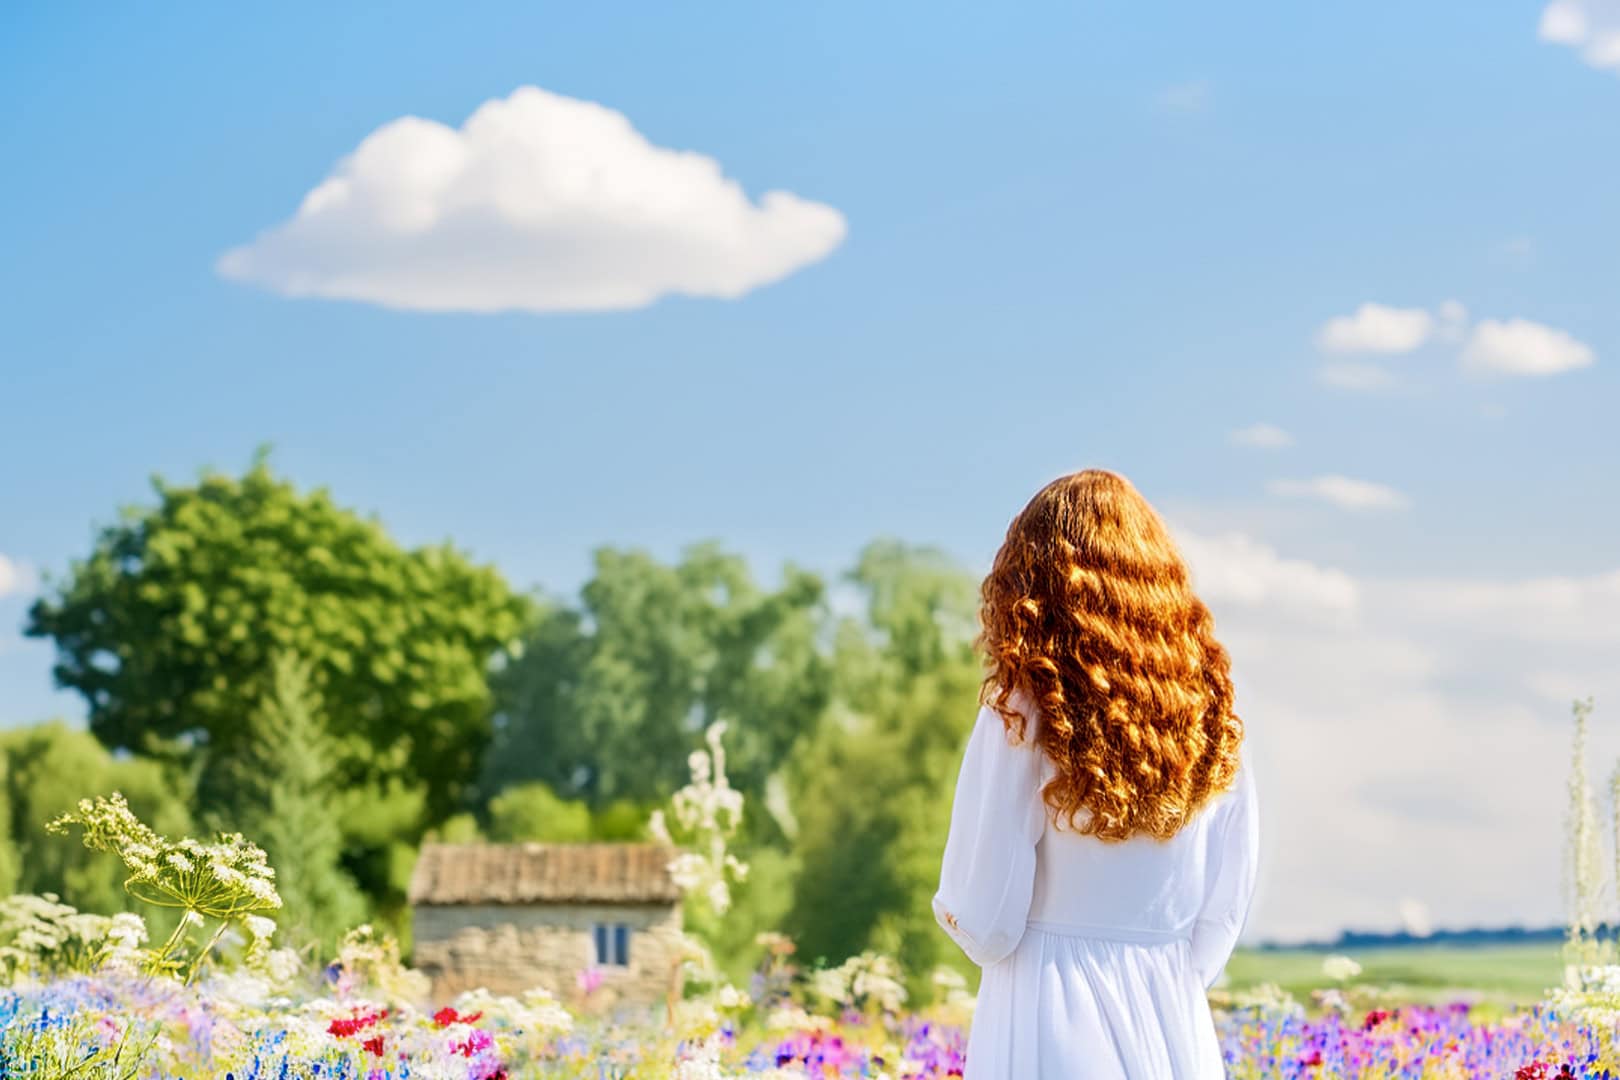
[1102, 850]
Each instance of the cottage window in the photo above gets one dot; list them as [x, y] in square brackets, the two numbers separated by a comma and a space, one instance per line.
[612, 944]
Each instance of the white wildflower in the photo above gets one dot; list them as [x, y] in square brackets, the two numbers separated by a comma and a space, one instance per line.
[950, 987]
[1340, 968]
[707, 812]
[659, 829]
[793, 1018]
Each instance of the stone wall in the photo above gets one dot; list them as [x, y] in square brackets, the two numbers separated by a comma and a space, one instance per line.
[511, 948]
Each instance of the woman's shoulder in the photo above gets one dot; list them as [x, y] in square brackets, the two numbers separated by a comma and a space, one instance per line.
[1019, 701]
[1238, 795]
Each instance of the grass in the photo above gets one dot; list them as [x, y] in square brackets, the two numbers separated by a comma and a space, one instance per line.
[1503, 975]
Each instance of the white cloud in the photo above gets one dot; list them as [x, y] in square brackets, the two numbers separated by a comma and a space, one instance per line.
[15, 577]
[1561, 609]
[1262, 437]
[1509, 347]
[1590, 26]
[1452, 324]
[538, 202]
[1234, 568]
[1376, 328]
[1522, 347]
[1187, 97]
[1352, 375]
[1429, 715]
[1341, 491]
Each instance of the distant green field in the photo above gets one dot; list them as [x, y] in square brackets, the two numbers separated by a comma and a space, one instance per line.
[1499, 974]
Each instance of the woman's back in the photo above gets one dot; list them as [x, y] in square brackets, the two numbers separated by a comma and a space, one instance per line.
[1096, 954]
[1103, 841]
[1153, 885]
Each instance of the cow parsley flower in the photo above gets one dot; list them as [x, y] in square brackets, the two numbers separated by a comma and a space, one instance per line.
[227, 880]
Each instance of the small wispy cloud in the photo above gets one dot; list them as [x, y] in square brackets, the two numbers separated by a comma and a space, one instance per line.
[15, 577]
[1353, 375]
[1186, 97]
[1591, 27]
[1451, 321]
[1343, 492]
[1522, 347]
[1261, 437]
[1235, 568]
[1376, 328]
[1491, 346]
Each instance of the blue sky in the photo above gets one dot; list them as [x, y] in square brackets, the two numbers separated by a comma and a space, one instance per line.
[1070, 236]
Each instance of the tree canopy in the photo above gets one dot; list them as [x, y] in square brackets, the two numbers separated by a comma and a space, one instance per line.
[168, 628]
[256, 657]
[608, 698]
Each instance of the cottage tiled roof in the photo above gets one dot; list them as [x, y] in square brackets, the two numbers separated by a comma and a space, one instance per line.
[543, 873]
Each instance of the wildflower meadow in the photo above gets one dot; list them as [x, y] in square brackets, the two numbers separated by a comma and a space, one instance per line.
[93, 996]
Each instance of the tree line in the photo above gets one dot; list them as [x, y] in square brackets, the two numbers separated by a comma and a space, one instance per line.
[254, 657]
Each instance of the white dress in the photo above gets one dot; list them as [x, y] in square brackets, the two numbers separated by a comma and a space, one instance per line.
[1096, 955]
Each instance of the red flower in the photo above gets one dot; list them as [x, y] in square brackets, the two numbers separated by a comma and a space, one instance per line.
[345, 1026]
[375, 1045]
[1374, 1018]
[1536, 1070]
[1313, 1058]
[447, 1016]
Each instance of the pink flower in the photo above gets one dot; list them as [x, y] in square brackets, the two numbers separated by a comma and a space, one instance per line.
[477, 1041]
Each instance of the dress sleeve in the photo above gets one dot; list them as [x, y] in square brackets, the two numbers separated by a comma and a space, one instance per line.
[1232, 866]
[988, 872]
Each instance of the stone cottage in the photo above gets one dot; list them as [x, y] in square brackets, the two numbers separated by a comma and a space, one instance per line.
[511, 917]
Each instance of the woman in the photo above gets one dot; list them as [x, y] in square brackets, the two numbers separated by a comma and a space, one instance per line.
[1102, 850]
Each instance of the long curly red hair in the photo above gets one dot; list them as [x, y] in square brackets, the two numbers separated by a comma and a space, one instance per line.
[1089, 611]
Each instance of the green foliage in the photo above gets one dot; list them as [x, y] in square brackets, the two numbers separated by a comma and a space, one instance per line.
[76, 1049]
[10, 859]
[170, 626]
[282, 795]
[872, 793]
[47, 769]
[620, 820]
[456, 829]
[607, 700]
[534, 812]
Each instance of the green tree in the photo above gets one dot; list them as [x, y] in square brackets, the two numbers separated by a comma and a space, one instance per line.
[282, 797]
[872, 793]
[607, 700]
[10, 860]
[620, 820]
[534, 812]
[168, 628]
[47, 770]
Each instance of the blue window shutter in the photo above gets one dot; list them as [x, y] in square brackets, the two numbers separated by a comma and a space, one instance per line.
[621, 945]
[600, 933]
